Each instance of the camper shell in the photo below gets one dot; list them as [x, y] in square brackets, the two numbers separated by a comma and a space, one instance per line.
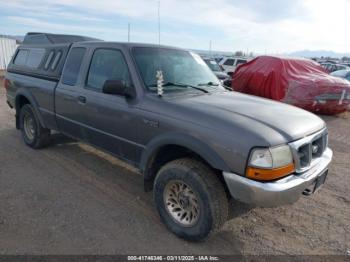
[42, 55]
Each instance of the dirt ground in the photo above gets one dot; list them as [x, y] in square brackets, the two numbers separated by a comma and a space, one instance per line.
[72, 199]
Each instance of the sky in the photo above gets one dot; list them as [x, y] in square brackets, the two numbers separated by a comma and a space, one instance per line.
[270, 26]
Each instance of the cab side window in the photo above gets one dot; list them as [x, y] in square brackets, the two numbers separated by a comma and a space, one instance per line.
[240, 62]
[229, 62]
[107, 64]
[72, 67]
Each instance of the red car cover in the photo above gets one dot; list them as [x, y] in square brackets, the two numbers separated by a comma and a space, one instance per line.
[299, 82]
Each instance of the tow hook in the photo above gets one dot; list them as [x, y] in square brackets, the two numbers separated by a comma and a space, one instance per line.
[307, 192]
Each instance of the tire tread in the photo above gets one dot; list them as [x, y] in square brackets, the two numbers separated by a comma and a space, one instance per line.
[42, 138]
[212, 185]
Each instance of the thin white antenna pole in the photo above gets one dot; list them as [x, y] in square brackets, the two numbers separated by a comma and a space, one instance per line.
[128, 32]
[159, 22]
[210, 47]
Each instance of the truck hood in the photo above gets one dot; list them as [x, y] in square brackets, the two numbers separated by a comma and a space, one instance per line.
[252, 112]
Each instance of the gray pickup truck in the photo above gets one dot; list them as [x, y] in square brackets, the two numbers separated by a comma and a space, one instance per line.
[162, 110]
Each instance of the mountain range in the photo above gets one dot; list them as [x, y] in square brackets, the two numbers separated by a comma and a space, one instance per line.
[318, 53]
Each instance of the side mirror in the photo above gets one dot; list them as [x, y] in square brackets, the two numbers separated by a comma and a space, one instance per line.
[118, 87]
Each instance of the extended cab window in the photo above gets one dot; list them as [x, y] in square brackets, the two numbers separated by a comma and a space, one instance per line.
[48, 60]
[107, 64]
[56, 60]
[72, 67]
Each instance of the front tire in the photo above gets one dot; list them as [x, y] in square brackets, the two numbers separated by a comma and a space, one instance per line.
[190, 198]
[33, 133]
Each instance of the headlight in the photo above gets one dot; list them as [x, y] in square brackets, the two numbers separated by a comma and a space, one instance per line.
[270, 163]
[261, 158]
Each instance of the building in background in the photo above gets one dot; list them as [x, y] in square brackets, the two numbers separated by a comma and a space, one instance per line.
[7, 49]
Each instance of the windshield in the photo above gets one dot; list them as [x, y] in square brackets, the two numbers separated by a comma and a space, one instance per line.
[340, 73]
[213, 65]
[180, 69]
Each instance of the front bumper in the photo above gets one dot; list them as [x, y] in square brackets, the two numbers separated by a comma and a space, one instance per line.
[284, 191]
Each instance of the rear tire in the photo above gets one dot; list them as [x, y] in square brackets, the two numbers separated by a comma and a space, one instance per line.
[190, 198]
[33, 133]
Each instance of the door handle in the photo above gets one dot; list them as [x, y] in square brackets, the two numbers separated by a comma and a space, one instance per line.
[82, 99]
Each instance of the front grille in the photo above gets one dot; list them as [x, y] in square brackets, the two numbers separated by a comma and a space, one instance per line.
[307, 150]
[304, 155]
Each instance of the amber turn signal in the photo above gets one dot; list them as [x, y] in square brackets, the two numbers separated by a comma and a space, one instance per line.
[269, 174]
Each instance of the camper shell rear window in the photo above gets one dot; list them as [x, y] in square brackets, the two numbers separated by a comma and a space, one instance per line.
[30, 57]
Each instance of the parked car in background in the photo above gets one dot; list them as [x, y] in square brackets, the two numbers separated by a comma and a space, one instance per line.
[346, 64]
[218, 58]
[330, 67]
[342, 73]
[300, 82]
[216, 68]
[229, 64]
[162, 110]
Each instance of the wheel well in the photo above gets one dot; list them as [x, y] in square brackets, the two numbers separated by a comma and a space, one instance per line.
[20, 102]
[169, 153]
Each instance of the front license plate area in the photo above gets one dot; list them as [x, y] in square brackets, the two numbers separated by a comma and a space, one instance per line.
[320, 181]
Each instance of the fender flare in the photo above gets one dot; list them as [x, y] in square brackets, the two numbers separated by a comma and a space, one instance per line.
[25, 93]
[197, 146]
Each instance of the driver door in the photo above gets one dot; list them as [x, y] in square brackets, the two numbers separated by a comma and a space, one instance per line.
[109, 120]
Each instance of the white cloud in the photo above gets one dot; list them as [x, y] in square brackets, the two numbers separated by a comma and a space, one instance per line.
[255, 25]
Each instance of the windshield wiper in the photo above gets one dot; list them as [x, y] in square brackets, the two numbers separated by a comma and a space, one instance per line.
[208, 84]
[182, 85]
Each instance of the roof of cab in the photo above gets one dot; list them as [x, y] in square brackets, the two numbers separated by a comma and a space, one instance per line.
[37, 38]
[125, 44]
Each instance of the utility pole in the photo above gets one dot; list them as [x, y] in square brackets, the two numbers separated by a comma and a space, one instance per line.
[128, 32]
[159, 22]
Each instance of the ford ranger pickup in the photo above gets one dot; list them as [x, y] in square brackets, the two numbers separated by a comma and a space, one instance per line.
[162, 110]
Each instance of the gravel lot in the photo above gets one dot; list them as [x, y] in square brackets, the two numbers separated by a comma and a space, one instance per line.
[72, 199]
